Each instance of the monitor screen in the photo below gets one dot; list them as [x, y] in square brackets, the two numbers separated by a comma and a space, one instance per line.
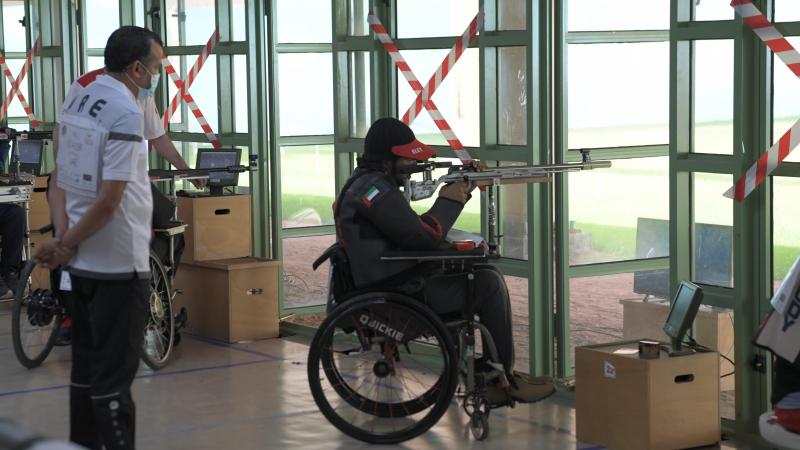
[683, 310]
[210, 159]
[30, 152]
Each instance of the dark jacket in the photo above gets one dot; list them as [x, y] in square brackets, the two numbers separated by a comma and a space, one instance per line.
[372, 217]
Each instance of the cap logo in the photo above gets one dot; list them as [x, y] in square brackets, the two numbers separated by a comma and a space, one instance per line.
[416, 150]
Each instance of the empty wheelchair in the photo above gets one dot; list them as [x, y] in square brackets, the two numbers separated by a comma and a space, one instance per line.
[383, 367]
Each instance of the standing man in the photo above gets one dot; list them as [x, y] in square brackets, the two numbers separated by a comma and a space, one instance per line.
[155, 134]
[102, 217]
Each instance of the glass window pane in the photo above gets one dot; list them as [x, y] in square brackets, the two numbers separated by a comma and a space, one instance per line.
[457, 97]
[713, 97]
[102, 18]
[511, 14]
[240, 93]
[618, 94]
[512, 98]
[179, 63]
[423, 18]
[358, 26]
[712, 231]
[596, 310]
[603, 15]
[713, 10]
[470, 218]
[95, 62]
[787, 11]
[302, 77]
[196, 22]
[13, 31]
[138, 16]
[303, 286]
[514, 219]
[785, 102]
[360, 104]
[307, 185]
[609, 208]
[239, 25]
[304, 21]
[204, 92]
[15, 108]
[518, 294]
[785, 233]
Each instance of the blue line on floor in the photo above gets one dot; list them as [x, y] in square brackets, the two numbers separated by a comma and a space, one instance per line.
[232, 347]
[145, 375]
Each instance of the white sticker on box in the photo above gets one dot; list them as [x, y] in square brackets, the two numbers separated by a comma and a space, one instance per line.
[609, 371]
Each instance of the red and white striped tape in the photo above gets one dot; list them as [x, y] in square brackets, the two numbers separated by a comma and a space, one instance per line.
[445, 128]
[16, 83]
[449, 61]
[183, 90]
[773, 157]
[198, 64]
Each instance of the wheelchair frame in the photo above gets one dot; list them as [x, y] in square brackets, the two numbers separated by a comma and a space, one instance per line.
[475, 401]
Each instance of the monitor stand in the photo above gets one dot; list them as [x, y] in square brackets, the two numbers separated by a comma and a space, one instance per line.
[216, 191]
[678, 350]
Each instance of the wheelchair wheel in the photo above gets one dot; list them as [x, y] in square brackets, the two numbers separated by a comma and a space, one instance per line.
[382, 368]
[159, 332]
[35, 319]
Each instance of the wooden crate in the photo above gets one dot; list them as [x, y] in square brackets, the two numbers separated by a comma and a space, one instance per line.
[230, 300]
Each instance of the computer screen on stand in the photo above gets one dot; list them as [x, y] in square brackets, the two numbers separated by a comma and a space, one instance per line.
[219, 158]
[30, 156]
[681, 315]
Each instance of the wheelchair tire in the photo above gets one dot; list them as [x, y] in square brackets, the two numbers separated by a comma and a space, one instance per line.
[35, 320]
[394, 325]
[159, 331]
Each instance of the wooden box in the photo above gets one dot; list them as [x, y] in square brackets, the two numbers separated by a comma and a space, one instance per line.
[627, 403]
[713, 329]
[218, 227]
[230, 300]
[39, 212]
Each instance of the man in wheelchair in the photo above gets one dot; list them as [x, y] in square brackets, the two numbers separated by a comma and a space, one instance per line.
[373, 217]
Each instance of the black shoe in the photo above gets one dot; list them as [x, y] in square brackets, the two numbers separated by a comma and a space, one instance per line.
[11, 280]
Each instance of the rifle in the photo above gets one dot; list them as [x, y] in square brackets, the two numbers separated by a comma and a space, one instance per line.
[488, 179]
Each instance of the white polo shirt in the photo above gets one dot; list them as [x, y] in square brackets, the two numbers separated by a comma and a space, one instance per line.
[121, 248]
[153, 124]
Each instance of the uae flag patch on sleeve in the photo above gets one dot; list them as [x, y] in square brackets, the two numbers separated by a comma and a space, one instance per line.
[370, 195]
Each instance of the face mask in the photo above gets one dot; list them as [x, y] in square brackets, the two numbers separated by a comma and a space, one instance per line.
[150, 90]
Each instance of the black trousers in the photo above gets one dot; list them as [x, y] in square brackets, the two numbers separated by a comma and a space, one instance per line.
[108, 319]
[448, 293]
[787, 379]
[12, 231]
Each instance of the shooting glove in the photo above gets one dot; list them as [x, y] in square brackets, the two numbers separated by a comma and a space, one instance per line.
[458, 191]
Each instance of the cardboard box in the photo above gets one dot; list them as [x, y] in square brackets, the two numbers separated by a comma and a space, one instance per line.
[627, 403]
[713, 329]
[39, 209]
[230, 300]
[218, 227]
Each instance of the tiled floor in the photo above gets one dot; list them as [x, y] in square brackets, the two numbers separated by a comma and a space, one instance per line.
[251, 396]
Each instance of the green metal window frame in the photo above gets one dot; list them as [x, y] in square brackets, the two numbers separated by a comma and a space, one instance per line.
[545, 38]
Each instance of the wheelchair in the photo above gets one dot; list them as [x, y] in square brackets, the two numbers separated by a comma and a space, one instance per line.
[39, 311]
[383, 367]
